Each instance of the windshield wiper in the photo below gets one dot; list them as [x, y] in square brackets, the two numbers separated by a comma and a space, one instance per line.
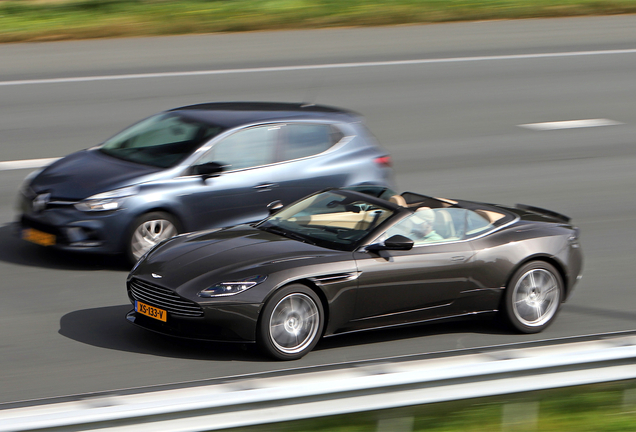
[289, 234]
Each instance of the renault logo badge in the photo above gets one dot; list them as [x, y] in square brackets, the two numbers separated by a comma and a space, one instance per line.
[40, 202]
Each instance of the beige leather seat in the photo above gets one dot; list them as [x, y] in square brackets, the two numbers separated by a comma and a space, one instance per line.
[398, 199]
[444, 225]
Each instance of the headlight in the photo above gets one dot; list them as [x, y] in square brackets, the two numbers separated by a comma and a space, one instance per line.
[231, 288]
[111, 200]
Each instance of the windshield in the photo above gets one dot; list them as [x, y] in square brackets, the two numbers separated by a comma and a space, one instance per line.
[328, 219]
[162, 141]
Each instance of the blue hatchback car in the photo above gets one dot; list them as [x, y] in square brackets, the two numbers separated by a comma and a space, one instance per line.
[194, 168]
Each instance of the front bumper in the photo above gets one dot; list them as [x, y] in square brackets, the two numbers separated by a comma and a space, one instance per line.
[74, 230]
[226, 323]
[218, 320]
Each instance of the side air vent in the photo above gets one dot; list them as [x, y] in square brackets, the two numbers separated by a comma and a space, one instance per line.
[335, 278]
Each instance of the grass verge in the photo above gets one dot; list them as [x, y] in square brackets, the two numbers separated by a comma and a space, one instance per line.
[592, 408]
[36, 20]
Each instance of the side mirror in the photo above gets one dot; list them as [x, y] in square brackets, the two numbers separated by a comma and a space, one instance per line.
[207, 170]
[274, 206]
[396, 242]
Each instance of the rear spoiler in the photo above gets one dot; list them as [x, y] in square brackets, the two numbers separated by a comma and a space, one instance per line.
[544, 212]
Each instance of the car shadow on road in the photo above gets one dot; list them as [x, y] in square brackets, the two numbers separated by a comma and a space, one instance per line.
[106, 327]
[17, 251]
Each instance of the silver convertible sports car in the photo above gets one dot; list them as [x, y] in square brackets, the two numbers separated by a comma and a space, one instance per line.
[345, 260]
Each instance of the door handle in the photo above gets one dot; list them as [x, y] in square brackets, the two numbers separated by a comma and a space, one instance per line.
[458, 258]
[265, 186]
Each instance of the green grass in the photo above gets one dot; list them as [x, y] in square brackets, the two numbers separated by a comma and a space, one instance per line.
[24, 20]
[592, 408]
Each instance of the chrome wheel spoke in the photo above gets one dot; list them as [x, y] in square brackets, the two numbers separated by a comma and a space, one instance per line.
[548, 291]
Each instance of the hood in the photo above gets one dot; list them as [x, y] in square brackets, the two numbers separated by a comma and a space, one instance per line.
[217, 255]
[87, 173]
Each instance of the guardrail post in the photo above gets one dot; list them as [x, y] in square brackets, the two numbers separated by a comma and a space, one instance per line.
[629, 400]
[400, 424]
[522, 416]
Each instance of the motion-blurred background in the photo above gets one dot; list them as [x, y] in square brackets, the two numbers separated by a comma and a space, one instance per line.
[463, 94]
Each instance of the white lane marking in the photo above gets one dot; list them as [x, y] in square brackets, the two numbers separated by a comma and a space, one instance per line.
[23, 164]
[312, 67]
[570, 124]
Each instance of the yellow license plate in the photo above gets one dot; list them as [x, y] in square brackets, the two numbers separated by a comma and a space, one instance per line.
[38, 237]
[151, 311]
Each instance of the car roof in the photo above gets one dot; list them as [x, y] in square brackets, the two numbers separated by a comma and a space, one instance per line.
[232, 114]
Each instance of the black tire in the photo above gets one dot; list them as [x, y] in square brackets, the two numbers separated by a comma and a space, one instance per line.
[290, 323]
[533, 297]
[148, 230]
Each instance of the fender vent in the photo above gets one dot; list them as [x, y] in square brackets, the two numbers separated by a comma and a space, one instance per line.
[335, 278]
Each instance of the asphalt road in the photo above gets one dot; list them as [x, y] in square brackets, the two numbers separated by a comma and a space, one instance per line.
[451, 122]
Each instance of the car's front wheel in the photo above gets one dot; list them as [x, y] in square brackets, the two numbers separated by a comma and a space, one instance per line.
[291, 323]
[533, 297]
[148, 230]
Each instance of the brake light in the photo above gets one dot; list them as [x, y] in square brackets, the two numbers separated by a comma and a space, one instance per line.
[384, 161]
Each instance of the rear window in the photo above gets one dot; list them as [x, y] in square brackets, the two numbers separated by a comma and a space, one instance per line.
[303, 140]
[479, 221]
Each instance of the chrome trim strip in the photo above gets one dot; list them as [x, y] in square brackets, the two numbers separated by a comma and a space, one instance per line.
[191, 161]
[516, 218]
[60, 203]
[291, 259]
[403, 312]
[483, 289]
[411, 322]
[333, 278]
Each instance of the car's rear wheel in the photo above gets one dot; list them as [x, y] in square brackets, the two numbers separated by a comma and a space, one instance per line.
[291, 323]
[148, 230]
[533, 297]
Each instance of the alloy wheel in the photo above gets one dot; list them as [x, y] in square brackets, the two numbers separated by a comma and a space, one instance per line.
[294, 323]
[149, 233]
[535, 298]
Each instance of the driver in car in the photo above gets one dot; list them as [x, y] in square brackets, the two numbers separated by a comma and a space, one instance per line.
[418, 227]
[423, 221]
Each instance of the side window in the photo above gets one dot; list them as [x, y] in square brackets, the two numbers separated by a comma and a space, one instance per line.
[427, 226]
[302, 140]
[476, 223]
[166, 130]
[245, 149]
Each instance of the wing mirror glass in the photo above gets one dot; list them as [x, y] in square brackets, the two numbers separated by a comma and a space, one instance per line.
[274, 206]
[396, 242]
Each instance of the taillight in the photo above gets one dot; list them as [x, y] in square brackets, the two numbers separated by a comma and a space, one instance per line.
[574, 238]
[384, 161]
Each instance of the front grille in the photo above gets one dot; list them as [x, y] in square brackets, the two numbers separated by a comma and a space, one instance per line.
[163, 298]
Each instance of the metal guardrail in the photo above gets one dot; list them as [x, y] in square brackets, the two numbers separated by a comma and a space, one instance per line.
[306, 395]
